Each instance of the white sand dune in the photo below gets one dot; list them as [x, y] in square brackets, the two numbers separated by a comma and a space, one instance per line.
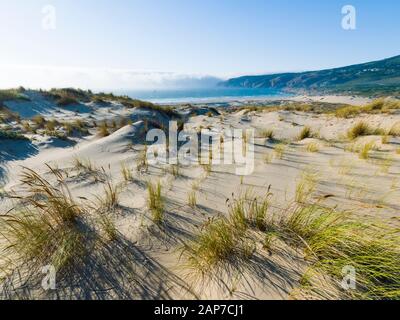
[154, 254]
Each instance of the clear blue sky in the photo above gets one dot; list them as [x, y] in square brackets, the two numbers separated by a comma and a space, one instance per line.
[216, 37]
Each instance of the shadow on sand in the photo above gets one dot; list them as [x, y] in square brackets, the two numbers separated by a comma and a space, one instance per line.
[13, 150]
[111, 270]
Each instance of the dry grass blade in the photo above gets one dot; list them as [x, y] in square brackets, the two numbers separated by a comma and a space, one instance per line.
[156, 202]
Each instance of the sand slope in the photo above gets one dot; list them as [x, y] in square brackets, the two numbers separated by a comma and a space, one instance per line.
[145, 262]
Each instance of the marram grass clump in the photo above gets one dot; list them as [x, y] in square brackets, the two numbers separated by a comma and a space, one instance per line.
[223, 240]
[362, 128]
[46, 229]
[305, 133]
[156, 202]
[333, 240]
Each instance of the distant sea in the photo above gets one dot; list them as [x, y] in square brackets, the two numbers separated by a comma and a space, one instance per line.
[209, 95]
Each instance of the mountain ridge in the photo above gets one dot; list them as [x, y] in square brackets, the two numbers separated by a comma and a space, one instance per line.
[382, 76]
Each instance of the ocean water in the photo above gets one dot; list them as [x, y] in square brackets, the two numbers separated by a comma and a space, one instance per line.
[209, 95]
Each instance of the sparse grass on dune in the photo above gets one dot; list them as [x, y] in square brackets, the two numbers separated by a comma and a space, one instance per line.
[128, 102]
[305, 133]
[385, 139]
[51, 125]
[103, 130]
[385, 164]
[355, 189]
[375, 107]
[66, 101]
[168, 111]
[347, 111]
[196, 185]
[280, 150]
[333, 240]
[346, 166]
[207, 167]
[268, 158]
[142, 164]
[366, 149]
[12, 94]
[84, 165]
[54, 127]
[267, 134]
[223, 240]
[3, 193]
[7, 115]
[395, 130]
[330, 239]
[39, 121]
[110, 198]
[46, 230]
[249, 211]
[174, 169]
[10, 135]
[126, 172]
[217, 243]
[67, 96]
[362, 128]
[363, 149]
[192, 199]
[156, 202]
[306, 186]
[381, 106]
[107, 226]
[313, 147]
[303, 107]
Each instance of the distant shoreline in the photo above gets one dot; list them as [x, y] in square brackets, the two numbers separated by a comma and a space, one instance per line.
[238, 101]
[204, 95]
[237, 97]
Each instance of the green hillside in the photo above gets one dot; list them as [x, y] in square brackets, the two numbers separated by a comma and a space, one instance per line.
[372, 78]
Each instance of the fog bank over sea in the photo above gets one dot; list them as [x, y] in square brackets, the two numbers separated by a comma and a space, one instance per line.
[203, 95]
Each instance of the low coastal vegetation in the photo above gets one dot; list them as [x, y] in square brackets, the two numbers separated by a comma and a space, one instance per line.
[192, 199]
[12, 94]
[126, 172]
[11, 135]
[267, 134]
[377, 106]
[395, 130]
[305, 133]
[280, 150]
[223, 240]
[46, 230]
[362, 128]
[331, 240]
[366, 149]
